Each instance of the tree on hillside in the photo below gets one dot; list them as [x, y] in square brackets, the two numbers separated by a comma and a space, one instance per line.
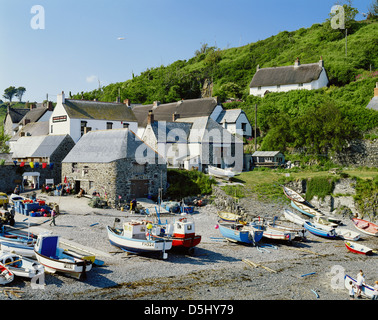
[20, 92]
[9, 93]
[373, 9]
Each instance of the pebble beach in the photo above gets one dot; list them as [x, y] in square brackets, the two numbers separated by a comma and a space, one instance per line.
[217, 270]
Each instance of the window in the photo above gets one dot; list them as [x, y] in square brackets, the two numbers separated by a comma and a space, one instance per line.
[52, 129]
[278, 86]
[109, 125]
[300, 85]
[125, 125]
[244, 127]
[259, 88]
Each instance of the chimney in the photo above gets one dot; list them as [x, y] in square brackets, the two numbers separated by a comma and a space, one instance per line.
[127, 102]
[175, 116]
[118, 100]
[26, 121]
[376, 90]
[297, 63]
[150, 118]
[60, 98]
[258, 67]
[156, 104]
[321, 62]
[32, 106]
[50, 106]
[87, 129]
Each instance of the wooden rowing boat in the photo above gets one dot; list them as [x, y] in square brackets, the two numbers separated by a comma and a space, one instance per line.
[305, 209]
[366, 227]
[347, 234]
[291, 216]
[229, 217]
[319, 230]
[358, 248]
[292, 195]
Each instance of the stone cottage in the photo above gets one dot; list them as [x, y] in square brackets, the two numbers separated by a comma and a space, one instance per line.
[116, 164]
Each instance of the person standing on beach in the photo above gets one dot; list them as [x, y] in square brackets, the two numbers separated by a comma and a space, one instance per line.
[53, 215]
[351, 290]
[360, 282]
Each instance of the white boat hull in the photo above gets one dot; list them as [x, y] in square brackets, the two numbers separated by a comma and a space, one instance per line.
[347, 234]
[139, 245]
[290, 216]
[221, 173]
[22, 250]
[75, 268]
[21, 266]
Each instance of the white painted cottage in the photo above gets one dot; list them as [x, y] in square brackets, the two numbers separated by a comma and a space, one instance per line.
[76, 117]
[283, 79]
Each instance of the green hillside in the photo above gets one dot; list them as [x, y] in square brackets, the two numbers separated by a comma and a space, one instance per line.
[321, 120]
[232, 69]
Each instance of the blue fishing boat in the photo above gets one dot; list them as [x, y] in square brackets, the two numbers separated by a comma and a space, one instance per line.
[321, 231]
[238, 233]
[305, 209]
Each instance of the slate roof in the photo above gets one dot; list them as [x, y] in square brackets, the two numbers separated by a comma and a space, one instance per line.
[184, 108]
[304, 73]
[83, 109]
[229, 116]
[35, 114]
[104, 146]
[17, 114]
[174, 131]
[37, 147]
[33, 129]
[373, 104]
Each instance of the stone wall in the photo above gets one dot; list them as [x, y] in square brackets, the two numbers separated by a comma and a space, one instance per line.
[115, 178]
[11, 175]
[359, 153]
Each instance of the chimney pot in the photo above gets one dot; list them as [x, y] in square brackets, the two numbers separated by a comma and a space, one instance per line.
[127, 102]
[175, 116]
[297, 63]
[156, 104]
[150, 118]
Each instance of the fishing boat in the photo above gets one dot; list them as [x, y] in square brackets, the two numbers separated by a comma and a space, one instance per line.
[320, 230]
[6, 276]
[230, 217]
[24, 250]
[138, 237]
[305, 209]
[366, 290]
[358, 248]
[292, 195]
[182, 233]
[226, 173]
[365, 226]
[291, 216]
[21, 266]
[238, 233]
[55, 259]
[347, 234]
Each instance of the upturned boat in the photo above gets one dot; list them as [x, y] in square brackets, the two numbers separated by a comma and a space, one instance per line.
[347, 234]
[366, 227]
[55, 259]
[221, 173]
[292, 195]
[138, 237]
[230, 217]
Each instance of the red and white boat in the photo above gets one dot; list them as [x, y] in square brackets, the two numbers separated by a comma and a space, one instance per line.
[183, 234]
[366, 227]
[358, 248]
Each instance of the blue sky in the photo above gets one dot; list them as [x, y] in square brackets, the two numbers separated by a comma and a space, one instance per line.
[79, 46]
